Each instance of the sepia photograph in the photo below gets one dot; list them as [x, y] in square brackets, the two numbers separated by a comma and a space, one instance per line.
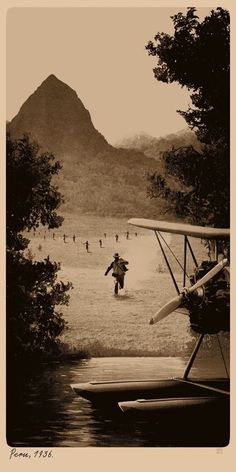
[117, 228]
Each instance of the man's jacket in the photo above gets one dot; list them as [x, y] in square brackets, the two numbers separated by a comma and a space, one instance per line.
[119, 267]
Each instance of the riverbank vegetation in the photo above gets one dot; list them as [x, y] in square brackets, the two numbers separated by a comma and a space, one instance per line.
[33, 293]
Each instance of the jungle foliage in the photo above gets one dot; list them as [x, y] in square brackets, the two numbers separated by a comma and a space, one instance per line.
[33, 292]
[197, 56]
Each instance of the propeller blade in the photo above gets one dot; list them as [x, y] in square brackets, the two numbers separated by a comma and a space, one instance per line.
[167, 309]
[218, 267]
[173, 304]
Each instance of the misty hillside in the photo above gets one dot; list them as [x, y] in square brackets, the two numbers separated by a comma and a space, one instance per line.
[96, 177]
[155, 147]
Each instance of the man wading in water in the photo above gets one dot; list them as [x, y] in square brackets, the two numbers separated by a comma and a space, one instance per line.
[119, 269]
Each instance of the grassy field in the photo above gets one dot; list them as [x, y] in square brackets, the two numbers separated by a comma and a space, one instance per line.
[100, 322]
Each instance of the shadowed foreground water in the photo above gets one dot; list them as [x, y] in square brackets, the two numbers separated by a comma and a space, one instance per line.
[42, 410]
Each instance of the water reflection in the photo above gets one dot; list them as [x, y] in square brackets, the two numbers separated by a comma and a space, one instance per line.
[42, 410]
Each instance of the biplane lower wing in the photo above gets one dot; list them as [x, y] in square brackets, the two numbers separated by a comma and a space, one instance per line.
[204, 232]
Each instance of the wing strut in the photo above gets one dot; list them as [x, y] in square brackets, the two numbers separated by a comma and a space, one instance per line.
[167, 263]
[185, 260]
[193, 355]
[192, 253]
[186, 246]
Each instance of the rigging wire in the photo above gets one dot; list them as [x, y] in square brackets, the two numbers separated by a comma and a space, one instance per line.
[173, 254]
[167, 262]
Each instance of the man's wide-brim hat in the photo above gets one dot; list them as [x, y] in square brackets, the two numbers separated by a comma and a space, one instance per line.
[116, 254]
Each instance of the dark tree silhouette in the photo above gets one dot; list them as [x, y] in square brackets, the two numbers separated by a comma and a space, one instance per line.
[197, 56]
[33, 292]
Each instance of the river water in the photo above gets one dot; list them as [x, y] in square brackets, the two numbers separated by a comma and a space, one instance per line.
[43, 411]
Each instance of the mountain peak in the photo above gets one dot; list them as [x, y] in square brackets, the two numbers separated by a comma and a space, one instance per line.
[56, 117]
[53, 83]
[51, 77]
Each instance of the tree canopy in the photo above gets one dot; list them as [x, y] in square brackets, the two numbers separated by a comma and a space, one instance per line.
[33, 292]
[31, 199]
[197, 56]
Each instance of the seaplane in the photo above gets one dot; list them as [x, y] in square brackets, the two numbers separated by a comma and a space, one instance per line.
[205, 298]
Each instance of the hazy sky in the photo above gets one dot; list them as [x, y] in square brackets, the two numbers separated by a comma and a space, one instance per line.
[100, 53]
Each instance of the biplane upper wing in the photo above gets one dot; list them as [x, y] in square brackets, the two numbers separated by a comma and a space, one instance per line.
[204, 232]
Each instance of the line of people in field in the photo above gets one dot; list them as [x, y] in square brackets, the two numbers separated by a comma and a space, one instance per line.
[86, 243]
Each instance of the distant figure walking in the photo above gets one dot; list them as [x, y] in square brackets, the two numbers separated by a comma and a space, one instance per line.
[119, 269]
[136, 234]
[53, 236]
[73, 238]
[87, 246]
[64, 238]
[127, 234]
[117, 237]
[100, 242]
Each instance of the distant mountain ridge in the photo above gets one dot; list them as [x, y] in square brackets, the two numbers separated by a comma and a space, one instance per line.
[96, 178]
[155, 147]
